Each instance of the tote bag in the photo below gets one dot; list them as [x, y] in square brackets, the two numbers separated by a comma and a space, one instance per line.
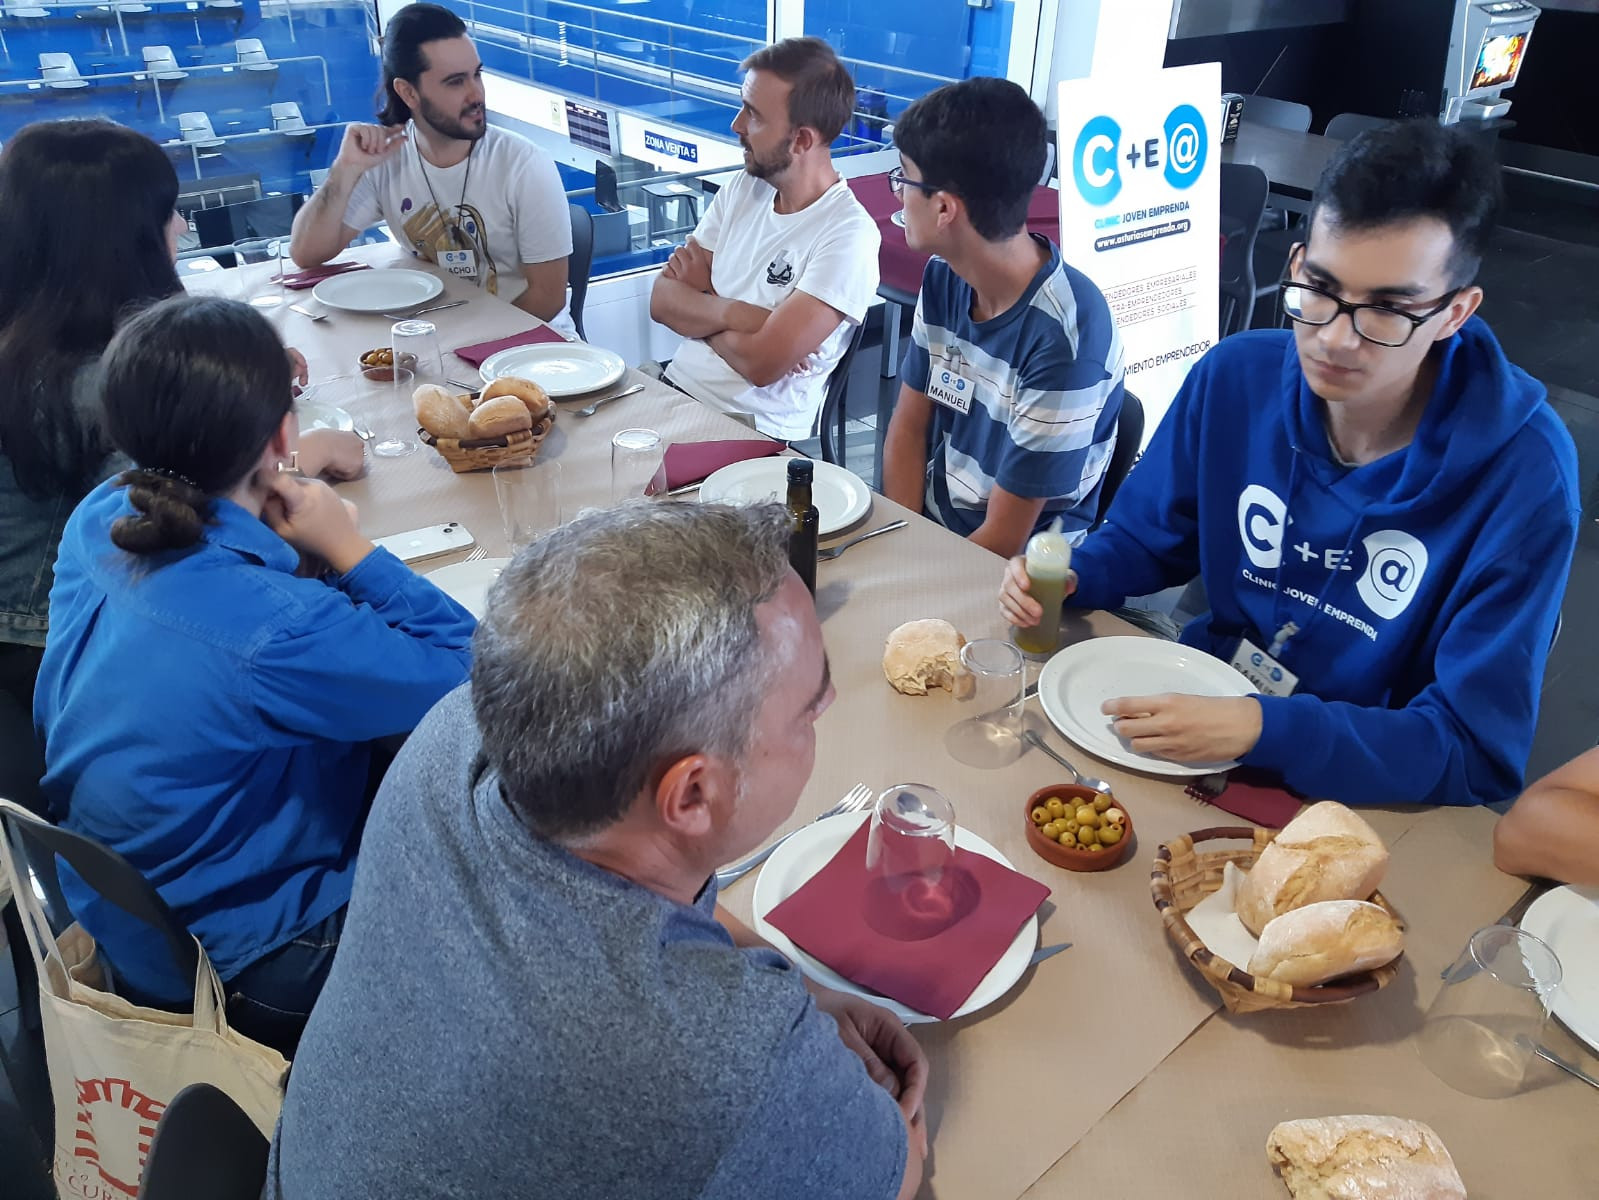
[115, 1066]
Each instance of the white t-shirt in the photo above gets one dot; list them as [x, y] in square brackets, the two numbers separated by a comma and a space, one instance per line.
[513, 211]
[827, 250]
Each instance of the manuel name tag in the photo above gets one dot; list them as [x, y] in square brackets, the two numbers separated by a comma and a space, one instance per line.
[459, 262]
[951, 389]
[1268, 675]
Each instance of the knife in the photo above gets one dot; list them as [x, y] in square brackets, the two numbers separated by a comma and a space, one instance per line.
[1044, 952]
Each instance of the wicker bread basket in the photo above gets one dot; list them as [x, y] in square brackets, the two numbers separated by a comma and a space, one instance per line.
[1183, 876]
[484, 454]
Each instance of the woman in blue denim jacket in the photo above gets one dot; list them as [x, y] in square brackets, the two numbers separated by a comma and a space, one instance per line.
[207, 709]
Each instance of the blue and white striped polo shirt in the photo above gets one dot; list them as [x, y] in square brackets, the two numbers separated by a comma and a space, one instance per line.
[1047, 393]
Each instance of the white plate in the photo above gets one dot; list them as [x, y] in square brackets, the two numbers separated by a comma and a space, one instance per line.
[468, 583]
[568, 369]
[388, 290]
[322, 416]
[1568, 920]
[1079, 679]
[898, 217]
[841, 497]
[811, 849]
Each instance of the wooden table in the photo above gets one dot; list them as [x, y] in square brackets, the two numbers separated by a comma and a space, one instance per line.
[1108, 1070]
[1292, 161]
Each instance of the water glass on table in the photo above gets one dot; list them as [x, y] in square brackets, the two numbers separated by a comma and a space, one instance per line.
[1479, 1034]
[529, 492]
[416, 346]
[261, 288]
[910, 853]
[988, 692]
[390, 412]
[635, 458]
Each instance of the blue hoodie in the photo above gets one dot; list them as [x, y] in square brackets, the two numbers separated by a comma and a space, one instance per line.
[1425, 585]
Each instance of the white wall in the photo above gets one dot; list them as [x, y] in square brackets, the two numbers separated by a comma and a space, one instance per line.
[1071, 55]
[1097, 37]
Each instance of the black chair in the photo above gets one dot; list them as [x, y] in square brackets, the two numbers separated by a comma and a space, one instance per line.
[579, 263]
[1346, 125]
[1129, 437]
[605, 191]
[1243, 201]
[1272, 248]
[205, 1148]
[270, 216]
[113, 877]
[1278, 114]
[834, 403]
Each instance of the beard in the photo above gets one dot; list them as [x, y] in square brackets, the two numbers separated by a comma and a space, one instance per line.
[778, 161]
[454, 127]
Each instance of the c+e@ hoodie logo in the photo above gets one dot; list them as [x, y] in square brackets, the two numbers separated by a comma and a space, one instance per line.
[1096, 158]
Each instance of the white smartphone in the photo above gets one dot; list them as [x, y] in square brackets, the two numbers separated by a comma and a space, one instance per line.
[418, 544]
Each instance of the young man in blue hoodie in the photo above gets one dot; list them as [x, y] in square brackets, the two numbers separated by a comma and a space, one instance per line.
[1381, 507]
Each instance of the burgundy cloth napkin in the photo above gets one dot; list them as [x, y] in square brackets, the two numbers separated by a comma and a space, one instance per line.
[841, 917]
[1257, 800]
[311, 276]
[482, 350]
[690, 462]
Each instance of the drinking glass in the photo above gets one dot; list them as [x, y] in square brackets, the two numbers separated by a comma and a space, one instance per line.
[1479, 1034]
[988, 693]
[391, 414]
[635, 458]
[529, 492]
[261, 286]
[416, 348]
[910, 858]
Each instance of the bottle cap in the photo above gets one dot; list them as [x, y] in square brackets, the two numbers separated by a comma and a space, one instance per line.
[800, 470]
[1048, 547]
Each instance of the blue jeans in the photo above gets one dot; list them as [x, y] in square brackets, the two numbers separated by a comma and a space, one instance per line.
[272, 997]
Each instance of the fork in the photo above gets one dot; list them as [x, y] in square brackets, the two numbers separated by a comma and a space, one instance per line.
[588, 410]
[417, 312]
[477, 553]
[833, 552]
[856, 799]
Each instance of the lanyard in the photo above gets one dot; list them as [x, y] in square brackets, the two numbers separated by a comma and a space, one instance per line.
[449, 219]
[1287, 629]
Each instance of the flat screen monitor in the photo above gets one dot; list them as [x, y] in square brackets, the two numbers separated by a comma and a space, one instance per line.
[1499, 60]
[589, 127]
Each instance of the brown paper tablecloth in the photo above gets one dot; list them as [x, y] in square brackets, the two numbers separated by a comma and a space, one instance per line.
[1020, 1085]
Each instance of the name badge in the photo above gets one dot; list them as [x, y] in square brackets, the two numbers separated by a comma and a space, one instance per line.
[1268, 675]
[459, 262]
[951, 389]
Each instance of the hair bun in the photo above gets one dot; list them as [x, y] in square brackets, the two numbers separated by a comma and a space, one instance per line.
[169, 513]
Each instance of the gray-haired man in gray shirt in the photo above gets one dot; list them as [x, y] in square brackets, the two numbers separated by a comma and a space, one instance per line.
[532, 996]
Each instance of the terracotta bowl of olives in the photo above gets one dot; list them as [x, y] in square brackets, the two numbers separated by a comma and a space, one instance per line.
[1077, 828]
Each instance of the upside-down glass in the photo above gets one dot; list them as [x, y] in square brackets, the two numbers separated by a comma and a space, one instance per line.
[635, 458]
[416, 346]
[988, 693]
[389, 410]
[1480, 1031]
[529, 492]
[260, 286]
[910, 853]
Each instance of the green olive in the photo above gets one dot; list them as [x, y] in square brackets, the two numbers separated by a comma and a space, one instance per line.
[1055, 806]
[1110, 835]
[1102, 801]
[1053, 828]
[1040, 815]
[1096, 847]
[1115, 816]
[1087, 816]
[1067, 838]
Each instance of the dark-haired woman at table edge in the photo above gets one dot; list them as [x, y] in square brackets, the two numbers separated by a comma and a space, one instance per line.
[204, 709]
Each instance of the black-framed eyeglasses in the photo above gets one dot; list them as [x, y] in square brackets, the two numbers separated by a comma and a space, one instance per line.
[897, 183]
[1376, 323]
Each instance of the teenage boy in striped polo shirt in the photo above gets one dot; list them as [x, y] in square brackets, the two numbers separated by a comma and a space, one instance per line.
[1012, 384]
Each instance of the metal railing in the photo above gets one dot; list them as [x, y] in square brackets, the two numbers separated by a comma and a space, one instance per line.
[159, 76]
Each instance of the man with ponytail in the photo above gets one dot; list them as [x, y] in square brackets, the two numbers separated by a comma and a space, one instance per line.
[207, 707]
[454, 190]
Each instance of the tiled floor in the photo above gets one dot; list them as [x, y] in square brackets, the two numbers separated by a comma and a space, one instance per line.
[1543, 302]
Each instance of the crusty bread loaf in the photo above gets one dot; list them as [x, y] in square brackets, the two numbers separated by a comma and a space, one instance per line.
[921, 655]
[498, 417]
[1327, 852]
[1363, 1158]
[533, 397]
[1322, 941]
[442, 413]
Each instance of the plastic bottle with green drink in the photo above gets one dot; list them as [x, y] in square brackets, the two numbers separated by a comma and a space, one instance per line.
[1049, 562]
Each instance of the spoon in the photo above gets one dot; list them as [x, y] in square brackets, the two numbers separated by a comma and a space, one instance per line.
[1099, 785]
[834, 551]
[1550, 1056]
[588, 410]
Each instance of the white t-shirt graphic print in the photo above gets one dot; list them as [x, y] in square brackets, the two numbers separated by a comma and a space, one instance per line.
[827, 250]
[513, 209]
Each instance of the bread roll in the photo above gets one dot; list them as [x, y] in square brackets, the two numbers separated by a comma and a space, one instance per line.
[1363, 1158]
[440, 412]
[921, 655]
[1325, 853]
[533, 397]
[1318, 942]
[498, 417]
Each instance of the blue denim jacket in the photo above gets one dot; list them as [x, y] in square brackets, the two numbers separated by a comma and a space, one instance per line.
[206, 712]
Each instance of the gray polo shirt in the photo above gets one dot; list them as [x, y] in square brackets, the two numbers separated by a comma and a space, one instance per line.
[503, 1019]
